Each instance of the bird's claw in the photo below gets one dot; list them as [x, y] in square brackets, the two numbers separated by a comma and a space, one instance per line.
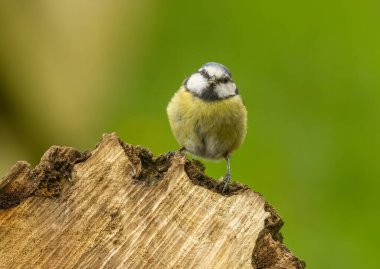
[173, 152]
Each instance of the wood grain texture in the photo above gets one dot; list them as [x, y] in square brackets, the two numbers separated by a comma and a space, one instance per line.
[120, 207]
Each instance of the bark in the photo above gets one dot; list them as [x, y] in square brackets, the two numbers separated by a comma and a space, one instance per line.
[118, 206]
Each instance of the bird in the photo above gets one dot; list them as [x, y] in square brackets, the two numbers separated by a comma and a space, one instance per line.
[207, 115]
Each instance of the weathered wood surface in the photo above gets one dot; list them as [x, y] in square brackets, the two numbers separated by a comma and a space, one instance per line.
[120, 207]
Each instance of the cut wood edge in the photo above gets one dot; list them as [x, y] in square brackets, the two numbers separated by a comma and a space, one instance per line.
[56, 165]
[269, 252]
[44, 180]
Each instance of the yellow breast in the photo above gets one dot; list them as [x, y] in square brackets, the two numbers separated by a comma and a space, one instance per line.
[209, 129]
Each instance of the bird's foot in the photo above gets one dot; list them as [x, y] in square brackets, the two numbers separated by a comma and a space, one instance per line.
[170, 154]
[173, 152]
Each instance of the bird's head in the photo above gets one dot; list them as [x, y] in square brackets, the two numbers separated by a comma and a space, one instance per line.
[213, 81]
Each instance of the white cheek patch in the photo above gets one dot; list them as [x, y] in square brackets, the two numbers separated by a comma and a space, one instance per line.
[225, 89]
[196, 83]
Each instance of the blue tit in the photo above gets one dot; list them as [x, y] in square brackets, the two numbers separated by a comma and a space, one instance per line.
[207, 115]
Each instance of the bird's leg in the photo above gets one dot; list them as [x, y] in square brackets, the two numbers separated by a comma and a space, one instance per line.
[227, 177]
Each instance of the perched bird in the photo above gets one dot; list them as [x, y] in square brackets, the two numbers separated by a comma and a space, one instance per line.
[207, 115]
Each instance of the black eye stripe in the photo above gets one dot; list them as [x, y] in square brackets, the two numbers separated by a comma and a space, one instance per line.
[224, 79]
[204, 74]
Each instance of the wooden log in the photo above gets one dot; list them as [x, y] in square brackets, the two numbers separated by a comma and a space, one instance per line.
[118, 206]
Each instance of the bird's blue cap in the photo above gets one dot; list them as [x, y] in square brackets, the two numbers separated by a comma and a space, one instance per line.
[217, 65]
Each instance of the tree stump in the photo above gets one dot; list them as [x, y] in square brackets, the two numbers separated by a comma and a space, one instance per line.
[118, 206]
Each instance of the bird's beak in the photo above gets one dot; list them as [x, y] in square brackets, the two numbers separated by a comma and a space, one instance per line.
[212, 80]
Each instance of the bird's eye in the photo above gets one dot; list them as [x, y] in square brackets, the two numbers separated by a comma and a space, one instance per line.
[225, 79]
[204, 74]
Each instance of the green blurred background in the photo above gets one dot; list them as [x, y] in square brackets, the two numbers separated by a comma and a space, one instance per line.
[308, 72]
